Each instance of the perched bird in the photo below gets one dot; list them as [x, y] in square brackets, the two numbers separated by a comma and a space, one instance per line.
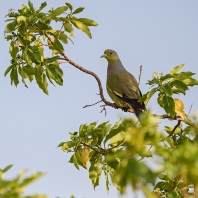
[121, 85]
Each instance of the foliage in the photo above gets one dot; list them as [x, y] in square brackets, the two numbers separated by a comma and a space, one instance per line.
[15, 188]
[30, 32]
[122, 151]
[167, 86]
[162, 163]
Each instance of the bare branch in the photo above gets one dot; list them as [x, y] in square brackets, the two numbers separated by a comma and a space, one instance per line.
[107, 103]
[190, 109]
[104, 109]
[140, 75]
[177, 125]
[92, 104]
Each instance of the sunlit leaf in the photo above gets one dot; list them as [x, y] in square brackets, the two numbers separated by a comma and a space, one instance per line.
[85, 157]
[58, 11]
[88, 22]
[179, 107]
[176, 69]
[190, 82]
[82, 27]
[68, 28]
[146, 97]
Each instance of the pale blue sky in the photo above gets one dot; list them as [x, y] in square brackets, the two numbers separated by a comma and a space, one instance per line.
[156, 34]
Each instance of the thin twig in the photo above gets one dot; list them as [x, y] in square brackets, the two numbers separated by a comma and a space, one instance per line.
[60, 29]
[63, 62]
[104, 151]
[140, 75]
[177, 125]
[190, 109]
[146, 154]
[104, 109]
[107, 103]
[92, 104]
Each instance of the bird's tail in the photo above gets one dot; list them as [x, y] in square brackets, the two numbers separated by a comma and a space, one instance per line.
[137, 111]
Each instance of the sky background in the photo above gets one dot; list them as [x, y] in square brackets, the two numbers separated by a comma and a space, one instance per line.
[155, 34]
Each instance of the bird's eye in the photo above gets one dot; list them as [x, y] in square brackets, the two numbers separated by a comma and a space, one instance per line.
[111, 53]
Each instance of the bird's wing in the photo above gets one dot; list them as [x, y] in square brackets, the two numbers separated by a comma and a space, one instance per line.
[124, 85]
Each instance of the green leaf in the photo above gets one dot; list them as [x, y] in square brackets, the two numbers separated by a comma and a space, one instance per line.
[169, 105]
[146, 97]
[15, 76]
[43, 26]
[88, 22]
[68, 144]
[13, 49]
[94, 173]
[45, 84]
[57, 45]
[7, 168]
[78, 10]
[183, 75]
[23, 75]
[52, 59]
[190, 82]
[31, 5]
[153, 81]
[29, 70]
[44, 4]
[12, 26]
[8, 69]
[69, 5]
[41, 79]
[166, 89]
[114, 131]
[58, 11]
[51, 71]
[81, 26]
[179, 84]
[166, 77]
[74, 161]
[169, 129]
[63, 37]
[68, 28]
[176, 69]
[34, 54]
[160, 100]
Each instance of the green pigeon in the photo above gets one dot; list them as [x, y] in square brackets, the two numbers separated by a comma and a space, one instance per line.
[121, 85]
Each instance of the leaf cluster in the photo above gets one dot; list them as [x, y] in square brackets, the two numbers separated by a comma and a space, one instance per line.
[15, 187]
[122, 151]
[31, 36]
[168, 85]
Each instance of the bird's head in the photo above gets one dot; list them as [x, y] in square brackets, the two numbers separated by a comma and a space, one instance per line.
[110, 55]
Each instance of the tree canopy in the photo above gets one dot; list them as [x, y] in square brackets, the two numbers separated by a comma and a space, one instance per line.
[126, 151]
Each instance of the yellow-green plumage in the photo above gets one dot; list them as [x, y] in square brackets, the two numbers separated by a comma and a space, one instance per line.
[122, 86]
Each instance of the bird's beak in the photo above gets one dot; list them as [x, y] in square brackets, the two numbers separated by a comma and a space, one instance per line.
[103, 56]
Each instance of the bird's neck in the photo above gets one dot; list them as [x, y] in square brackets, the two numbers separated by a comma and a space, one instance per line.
[116, 66]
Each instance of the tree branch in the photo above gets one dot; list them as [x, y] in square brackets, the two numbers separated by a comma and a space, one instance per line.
[103, 151]
[177, 125]
[140, 75]
[107, 103]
